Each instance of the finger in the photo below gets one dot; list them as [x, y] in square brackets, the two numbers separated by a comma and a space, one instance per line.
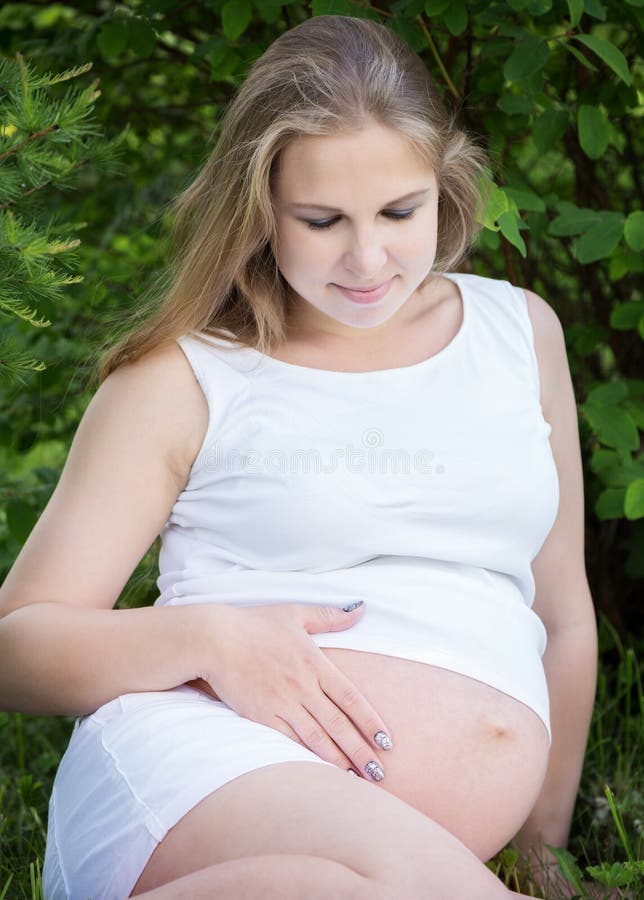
[286, 729]
[336, 723]
[344, 694]
[317, 739]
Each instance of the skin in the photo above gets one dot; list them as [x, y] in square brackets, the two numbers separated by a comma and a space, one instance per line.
[359, 174]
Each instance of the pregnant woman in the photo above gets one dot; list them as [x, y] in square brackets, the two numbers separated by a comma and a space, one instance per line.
[371, 660]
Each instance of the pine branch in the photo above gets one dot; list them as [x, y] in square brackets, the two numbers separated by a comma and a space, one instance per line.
[32, 137]
[45, 141]
[13, 362]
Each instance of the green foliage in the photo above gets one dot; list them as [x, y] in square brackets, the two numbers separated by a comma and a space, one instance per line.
[44, 142]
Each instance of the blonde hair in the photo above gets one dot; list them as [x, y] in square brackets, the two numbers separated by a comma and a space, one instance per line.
[328, 75]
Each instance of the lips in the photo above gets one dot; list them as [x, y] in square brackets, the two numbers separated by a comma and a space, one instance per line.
[362, 290]
[360, 295]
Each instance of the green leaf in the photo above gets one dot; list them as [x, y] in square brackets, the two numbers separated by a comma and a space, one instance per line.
[586, 63]
[21, 518]
[618, 474]
[613, 875]
[567, 865]
[573, 220]
[610, 504]
[515, 104]
[596, 9]
[539, 7]
[636, 410]
[112, 37]
[608, 53]
[235, 18]
[142, 38]
[613, 426]
[608, 394]
[497, 204]
[585, 338]
[601, 239]
[548, 128]
[435, 7]
[594, 130]
[576, 10]
[529, 56]
[509, 224]
[527, 200]
[623, 261]
[603, 460]
[455, 17]
[269, 10]
[626, 316]
[406, 28]
[633, 509]
[634, 230]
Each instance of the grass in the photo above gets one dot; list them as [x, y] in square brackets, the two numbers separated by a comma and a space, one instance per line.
[606, 846]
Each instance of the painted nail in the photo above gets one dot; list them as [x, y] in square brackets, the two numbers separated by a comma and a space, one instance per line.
[352, 606]
[374, 771]
[354, 772]
[383, 740]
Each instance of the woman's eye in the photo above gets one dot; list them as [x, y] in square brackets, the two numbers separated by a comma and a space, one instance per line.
[396, 216]
[318, 226]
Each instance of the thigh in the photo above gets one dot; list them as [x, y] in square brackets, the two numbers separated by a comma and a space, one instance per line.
[306, 808]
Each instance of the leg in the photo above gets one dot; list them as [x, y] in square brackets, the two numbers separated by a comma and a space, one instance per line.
[321, 815]
[278, 877]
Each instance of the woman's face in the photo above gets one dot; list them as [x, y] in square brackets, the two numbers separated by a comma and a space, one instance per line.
[360, 185]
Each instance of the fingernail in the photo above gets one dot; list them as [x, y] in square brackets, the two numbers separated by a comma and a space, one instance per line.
[352, 606]
[354, 772]
[374, 771]
[383, 740]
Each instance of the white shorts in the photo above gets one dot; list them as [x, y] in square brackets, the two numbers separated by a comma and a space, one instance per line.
[131, 771]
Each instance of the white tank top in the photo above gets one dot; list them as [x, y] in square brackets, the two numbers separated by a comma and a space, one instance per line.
[424, 490]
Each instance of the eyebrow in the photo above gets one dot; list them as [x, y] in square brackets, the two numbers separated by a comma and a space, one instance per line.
[332, 209]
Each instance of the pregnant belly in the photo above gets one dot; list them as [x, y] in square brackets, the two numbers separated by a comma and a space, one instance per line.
[467, 755]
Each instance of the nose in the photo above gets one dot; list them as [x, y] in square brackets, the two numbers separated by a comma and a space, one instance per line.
[366, 256]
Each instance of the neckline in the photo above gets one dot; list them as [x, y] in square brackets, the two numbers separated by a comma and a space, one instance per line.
[294, 368]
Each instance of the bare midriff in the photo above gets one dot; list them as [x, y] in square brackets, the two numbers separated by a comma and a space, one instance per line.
[467, 755]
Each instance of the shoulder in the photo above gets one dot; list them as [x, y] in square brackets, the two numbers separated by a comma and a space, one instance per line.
[549, 345]
[158, 394]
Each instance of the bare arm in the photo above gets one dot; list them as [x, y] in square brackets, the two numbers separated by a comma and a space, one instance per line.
[562, 600]
[65, 660]
[64, 649]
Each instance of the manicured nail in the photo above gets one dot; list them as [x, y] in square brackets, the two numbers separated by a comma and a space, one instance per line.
[352, 606]
[374, 771]
[383, 740]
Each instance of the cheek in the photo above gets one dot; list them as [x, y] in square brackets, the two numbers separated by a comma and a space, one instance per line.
[417, 251]
[299, 247]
